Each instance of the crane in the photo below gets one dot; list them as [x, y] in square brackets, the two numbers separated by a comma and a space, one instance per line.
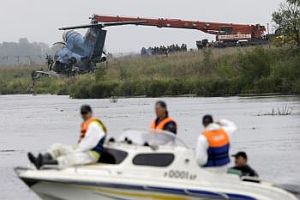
[225, 32]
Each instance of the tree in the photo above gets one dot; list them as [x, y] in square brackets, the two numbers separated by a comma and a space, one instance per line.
[287, 19]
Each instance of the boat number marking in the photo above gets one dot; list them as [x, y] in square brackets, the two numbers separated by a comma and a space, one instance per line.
[180, 175]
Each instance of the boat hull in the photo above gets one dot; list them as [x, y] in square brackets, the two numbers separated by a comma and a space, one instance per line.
[60, 191]
[56, 190]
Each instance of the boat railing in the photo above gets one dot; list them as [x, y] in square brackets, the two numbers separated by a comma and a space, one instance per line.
[151, 138]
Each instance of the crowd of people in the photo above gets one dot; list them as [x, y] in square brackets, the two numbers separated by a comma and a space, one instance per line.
[163, 50]
[212, 149]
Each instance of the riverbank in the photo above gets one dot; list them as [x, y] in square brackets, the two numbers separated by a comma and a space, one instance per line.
[217, 72]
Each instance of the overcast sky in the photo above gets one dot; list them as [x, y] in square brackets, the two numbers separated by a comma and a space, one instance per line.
[39, 20]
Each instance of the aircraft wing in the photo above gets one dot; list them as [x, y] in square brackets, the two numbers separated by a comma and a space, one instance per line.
[102, 25]
[124, 23]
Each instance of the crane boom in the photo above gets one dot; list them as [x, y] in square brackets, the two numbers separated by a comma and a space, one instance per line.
[222, 30]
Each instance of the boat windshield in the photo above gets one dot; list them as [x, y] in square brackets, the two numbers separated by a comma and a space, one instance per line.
[150, 137]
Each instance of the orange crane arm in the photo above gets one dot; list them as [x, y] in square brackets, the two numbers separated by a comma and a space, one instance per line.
[256, 31]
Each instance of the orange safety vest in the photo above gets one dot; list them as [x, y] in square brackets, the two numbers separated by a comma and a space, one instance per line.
[161, 125]
[85, 126]
[218, 147]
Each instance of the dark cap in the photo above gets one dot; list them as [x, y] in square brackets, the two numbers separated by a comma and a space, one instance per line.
[85, 109]
[162, 104]
[240, 154]
[207, 119]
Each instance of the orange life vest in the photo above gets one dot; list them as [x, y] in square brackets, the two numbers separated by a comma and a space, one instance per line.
[218, 147]
[161, 125]
[85, 126]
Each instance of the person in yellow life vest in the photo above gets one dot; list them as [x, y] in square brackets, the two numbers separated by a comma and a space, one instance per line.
[163, 121]
[214, 143]
[87, 151]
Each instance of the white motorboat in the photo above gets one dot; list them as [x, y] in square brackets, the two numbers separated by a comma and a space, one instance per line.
[143, 165]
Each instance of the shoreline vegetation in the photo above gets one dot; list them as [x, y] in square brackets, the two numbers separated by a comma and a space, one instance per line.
[209, 72]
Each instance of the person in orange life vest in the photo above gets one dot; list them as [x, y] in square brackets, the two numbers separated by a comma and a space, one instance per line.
[214, 143]
[163, 121]
[87, 151]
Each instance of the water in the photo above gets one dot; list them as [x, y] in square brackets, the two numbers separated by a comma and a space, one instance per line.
[33, 123]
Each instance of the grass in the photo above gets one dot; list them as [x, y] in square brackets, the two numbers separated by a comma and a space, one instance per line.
[211, 72]
[281, 111]
[15, 80]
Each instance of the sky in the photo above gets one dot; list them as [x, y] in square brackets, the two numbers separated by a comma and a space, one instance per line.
[39, 20]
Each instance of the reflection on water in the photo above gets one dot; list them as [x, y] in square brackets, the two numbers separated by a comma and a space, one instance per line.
[32, 123]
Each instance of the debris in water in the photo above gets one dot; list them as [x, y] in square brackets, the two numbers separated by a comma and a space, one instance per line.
[7, 150]
[113, 99]
[284, 111]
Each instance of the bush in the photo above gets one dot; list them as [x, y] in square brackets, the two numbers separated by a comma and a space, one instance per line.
[214, 72]
[102, 89]
[157, 88]
[266, 85]
[254, 65]
[80, 91]
[131, 88]
[177, 87]
[296, 87]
